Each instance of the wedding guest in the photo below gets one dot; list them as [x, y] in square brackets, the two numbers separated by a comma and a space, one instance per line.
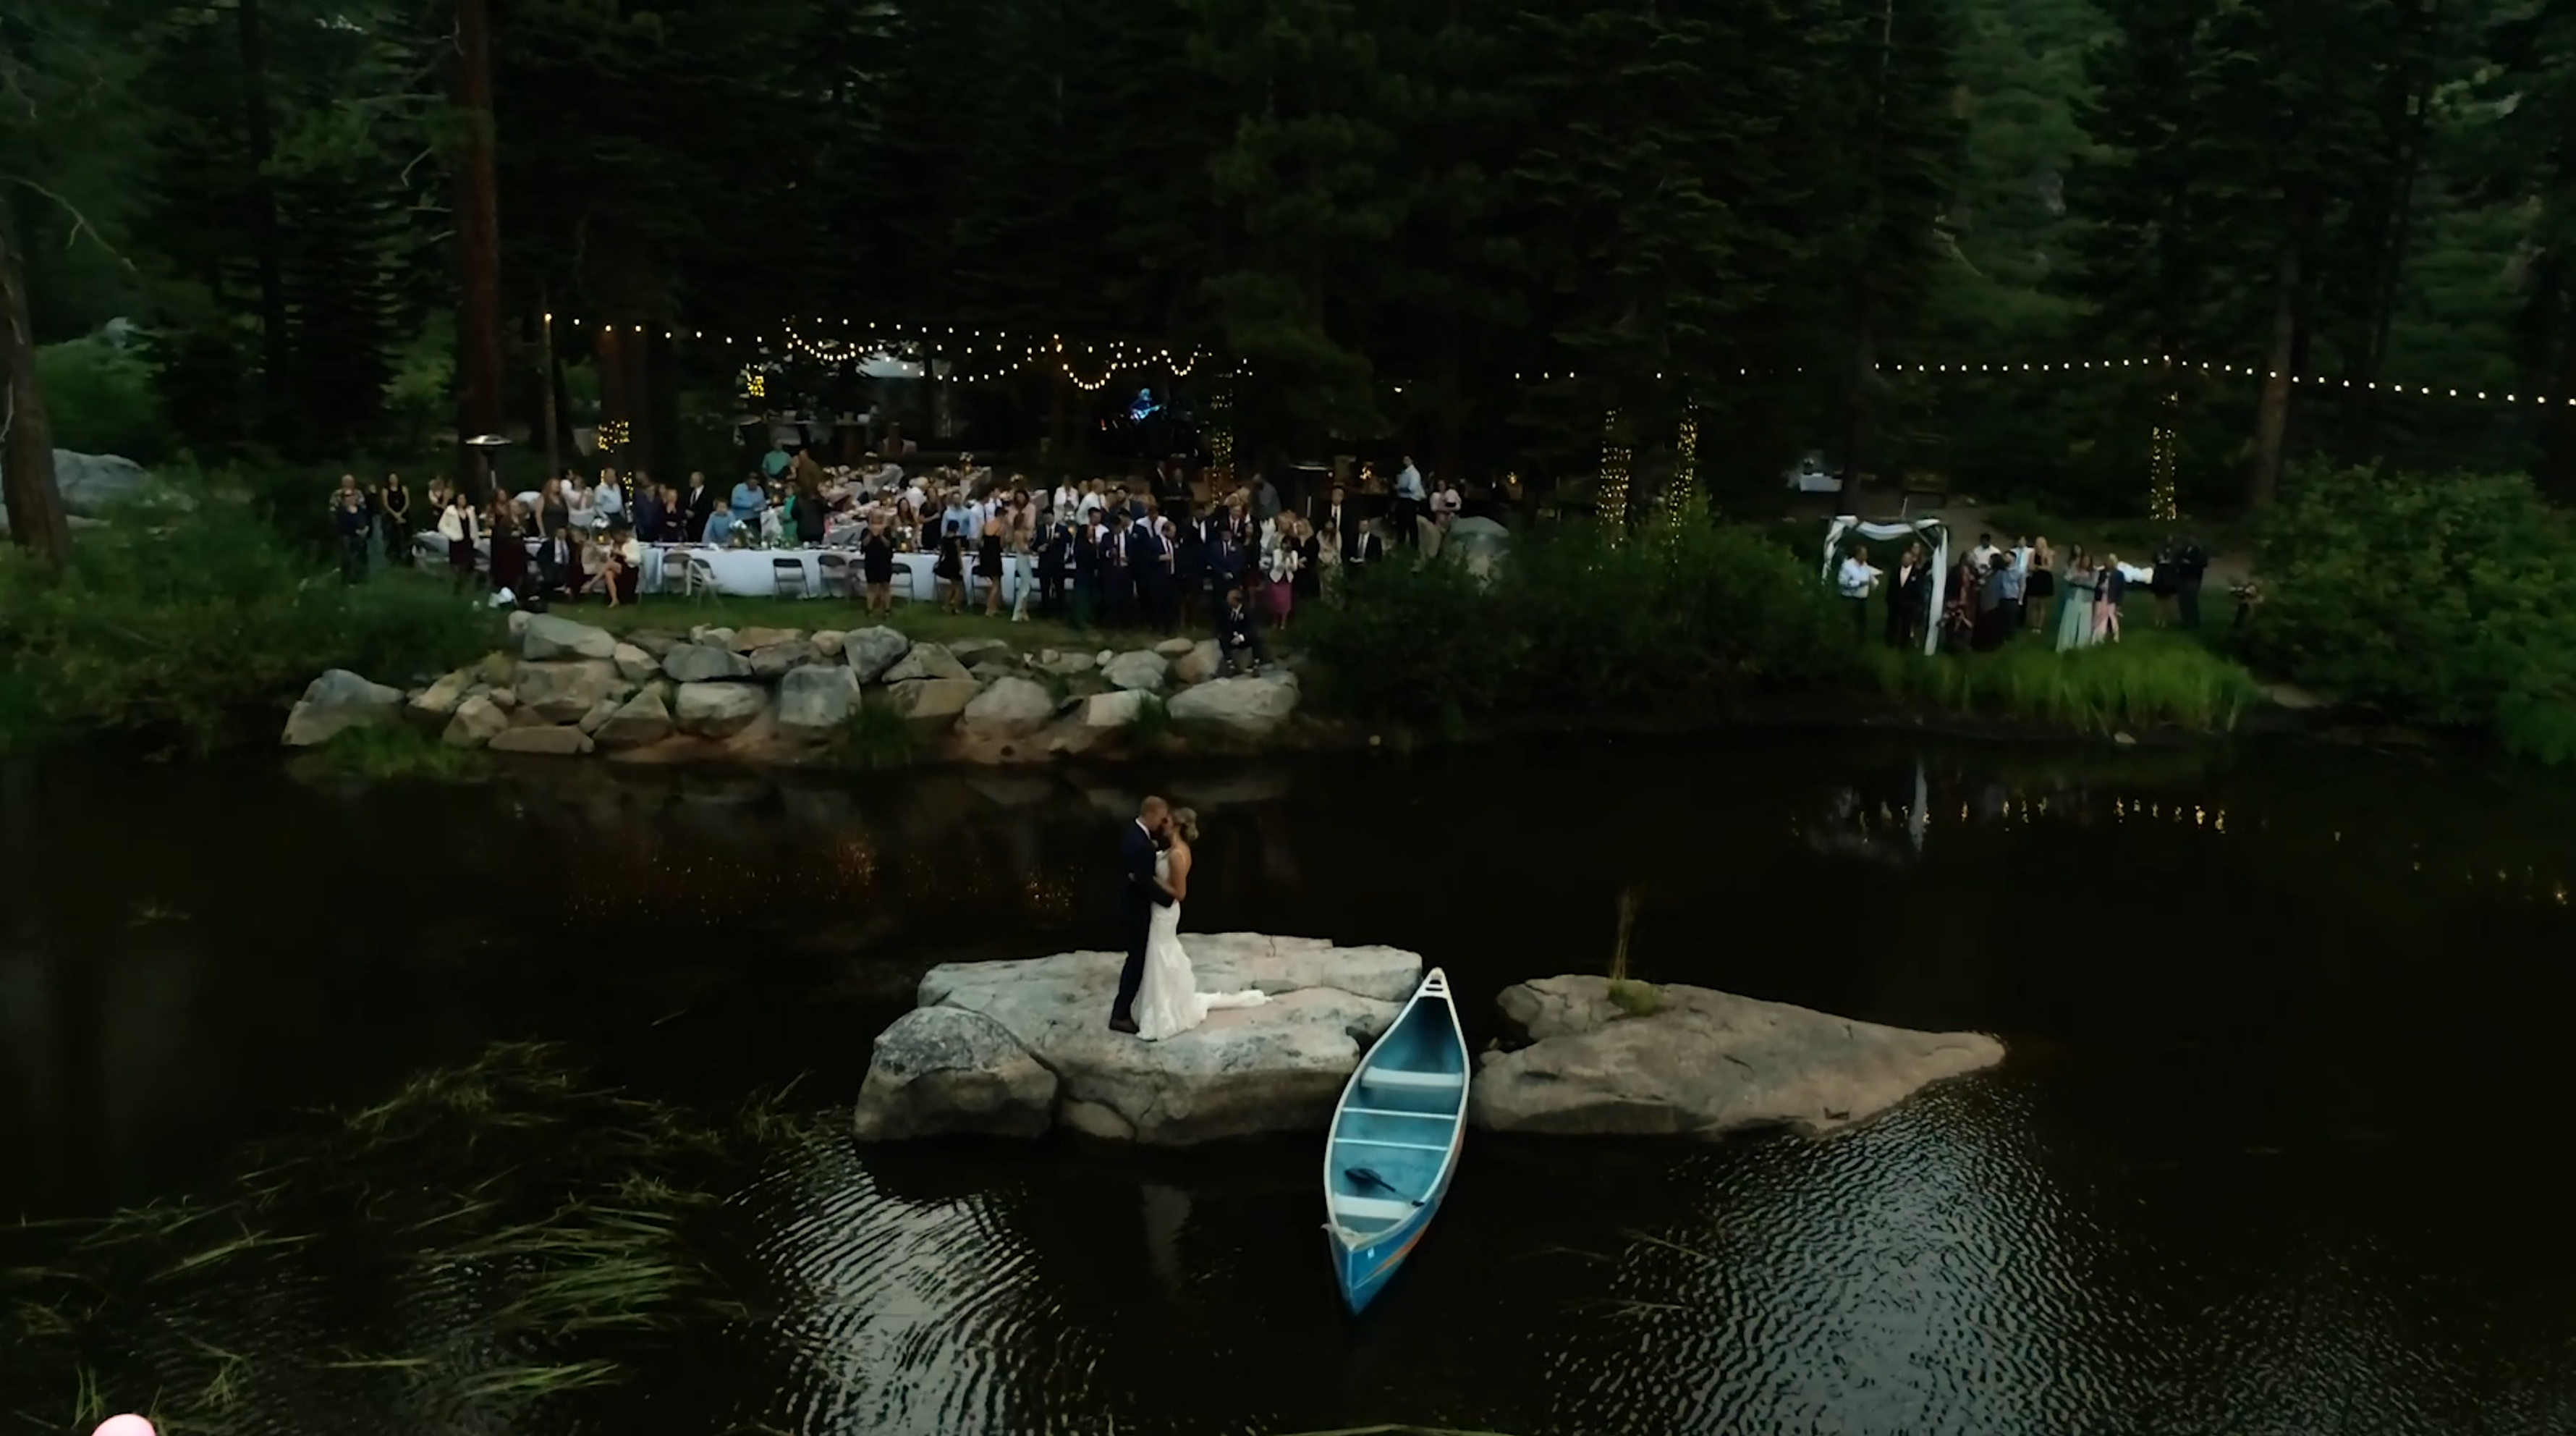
[876, 566]
[559, 571]
[2164, 583]
[607, 500]
[509, 546]
[1309, 578]
[554, 511]
[2075, 612]
[696, 506]
[2039, 587]
[1279, 574]
[649, 511]
[1055, 562]
[812, 516]
[1855, 580]
[2191, 565]
[393, 510]
[1238, 636]
[1328, 565]
[616, 572]
[2012, 568]
[748, 502]
[1118, 569]
[2110, 591]
[989, 561]
[1189, 571]
[460, 526]
[1409, 497]
[950, 571]
[350, 518]
[1907, 594]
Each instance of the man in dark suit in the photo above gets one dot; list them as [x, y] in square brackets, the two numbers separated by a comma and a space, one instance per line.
[1138, 896]
[700, 503]
[1341, 518]
[1153, 559]
[559, 572]
[1118, 570]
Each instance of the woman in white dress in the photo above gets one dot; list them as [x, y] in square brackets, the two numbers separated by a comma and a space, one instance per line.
[1169, 1002]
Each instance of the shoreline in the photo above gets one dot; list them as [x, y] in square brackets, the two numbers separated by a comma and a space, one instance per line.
[874, 698]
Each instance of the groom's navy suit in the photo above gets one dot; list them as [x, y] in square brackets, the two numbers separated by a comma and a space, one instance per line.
[1138, 898]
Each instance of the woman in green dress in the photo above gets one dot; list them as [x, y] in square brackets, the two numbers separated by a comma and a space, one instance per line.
[2075, 601]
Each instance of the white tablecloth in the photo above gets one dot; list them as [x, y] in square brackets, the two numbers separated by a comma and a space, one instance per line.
[754, 571]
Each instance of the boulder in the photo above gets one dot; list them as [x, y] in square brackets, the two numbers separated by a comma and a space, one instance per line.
[711, 635]
[562, 692]
[654, 641]
[1175, 647]
[704, 663]
[871, 651]
[827, 643]
[552, 742]
[1245, 707]
[815, 702]
[644, 718]
[942, 1070]
[1119, 709]
[1666, 1060]
[478, 721]
[598, 716]
[91, 483]
[719, 710]
[503, 699]
[1011, 708]
[1198, 665]
[772, 662]
[518, 622]
[1069, 665]
[335, 702]
[926, 660]
[1143, 669]
[931, 702]
[752, 640]
[439, 701]
[547, 636]
[494, 669]
[635, 664]
[971, 651]
[1273, 1068]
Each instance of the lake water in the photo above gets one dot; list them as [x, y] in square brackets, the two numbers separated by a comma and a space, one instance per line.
[2279, 1147]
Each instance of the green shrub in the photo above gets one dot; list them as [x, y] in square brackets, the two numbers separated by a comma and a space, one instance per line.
[1568, 619]
[393, 750]
[201, 625]
[100, 399]
[1153, 723]
[877, 736]
[2443, 599]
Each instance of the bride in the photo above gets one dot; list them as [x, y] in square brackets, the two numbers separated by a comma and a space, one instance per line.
[1169, 1003]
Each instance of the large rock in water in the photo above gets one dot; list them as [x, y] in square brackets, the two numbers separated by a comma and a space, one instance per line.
[563, 692]
[719, 710]
[871, 651]
[1011, 708]
[335, 702]
[1273, 1068]
[1246, 707]
[814, 703]
[1672, 1060]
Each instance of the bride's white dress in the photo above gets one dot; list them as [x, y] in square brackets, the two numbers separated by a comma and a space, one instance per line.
[1169, 1002]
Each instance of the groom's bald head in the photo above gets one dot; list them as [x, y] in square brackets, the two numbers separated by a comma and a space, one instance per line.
[1153, 811]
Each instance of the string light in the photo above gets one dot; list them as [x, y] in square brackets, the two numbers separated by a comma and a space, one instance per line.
[1614, 478]
[755, 384]
[613, 435]
[1682, 502]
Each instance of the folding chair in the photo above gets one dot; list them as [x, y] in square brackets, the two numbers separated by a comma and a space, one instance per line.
[836, 575]
[789, 575]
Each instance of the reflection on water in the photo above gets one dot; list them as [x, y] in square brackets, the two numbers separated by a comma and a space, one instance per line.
[2262, 1160]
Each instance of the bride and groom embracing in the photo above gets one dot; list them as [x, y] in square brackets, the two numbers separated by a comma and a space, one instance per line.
[1158, 994]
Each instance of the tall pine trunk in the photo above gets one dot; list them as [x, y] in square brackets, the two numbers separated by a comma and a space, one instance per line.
[478, 233]
[34, 500]
[2272, 419]
[275, 361]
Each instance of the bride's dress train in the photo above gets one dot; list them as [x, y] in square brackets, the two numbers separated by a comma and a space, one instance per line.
[1169, 1002]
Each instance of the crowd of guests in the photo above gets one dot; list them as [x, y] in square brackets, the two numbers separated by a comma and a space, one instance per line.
[1994, 593]
[1152, 553]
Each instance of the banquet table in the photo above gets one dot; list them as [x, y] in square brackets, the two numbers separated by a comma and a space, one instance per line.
[753, 572]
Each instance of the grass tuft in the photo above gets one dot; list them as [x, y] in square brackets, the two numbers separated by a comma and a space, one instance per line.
[387, 751]
[2147, 680]
[877, 737]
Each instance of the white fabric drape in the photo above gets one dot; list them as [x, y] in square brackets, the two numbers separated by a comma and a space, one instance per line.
[1940, 533]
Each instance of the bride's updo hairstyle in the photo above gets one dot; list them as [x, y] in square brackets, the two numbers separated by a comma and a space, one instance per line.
[1185, 821]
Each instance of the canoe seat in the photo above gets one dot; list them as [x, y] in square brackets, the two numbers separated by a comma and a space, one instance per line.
[1392, 1112]
[1372, 1208]
[1400, 1079]
[1378, 1142]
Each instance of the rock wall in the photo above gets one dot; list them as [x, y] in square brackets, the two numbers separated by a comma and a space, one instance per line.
[786, 696]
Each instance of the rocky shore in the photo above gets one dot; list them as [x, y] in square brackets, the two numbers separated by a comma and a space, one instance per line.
[789, 696]
[1017, 1049]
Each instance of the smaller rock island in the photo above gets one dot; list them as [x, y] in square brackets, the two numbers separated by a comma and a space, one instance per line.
[1020, 1048]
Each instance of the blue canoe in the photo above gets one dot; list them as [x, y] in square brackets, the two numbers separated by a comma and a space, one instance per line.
[1395, 1142]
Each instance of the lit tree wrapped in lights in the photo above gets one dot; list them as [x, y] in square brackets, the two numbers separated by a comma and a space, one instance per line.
[2162, 462]
[1613, 498]
[1221, 436]
[1681, 498]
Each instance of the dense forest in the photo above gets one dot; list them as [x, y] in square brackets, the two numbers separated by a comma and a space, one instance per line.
[2007, 243]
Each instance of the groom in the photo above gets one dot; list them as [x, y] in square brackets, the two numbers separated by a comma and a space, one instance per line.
[1138, 896]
